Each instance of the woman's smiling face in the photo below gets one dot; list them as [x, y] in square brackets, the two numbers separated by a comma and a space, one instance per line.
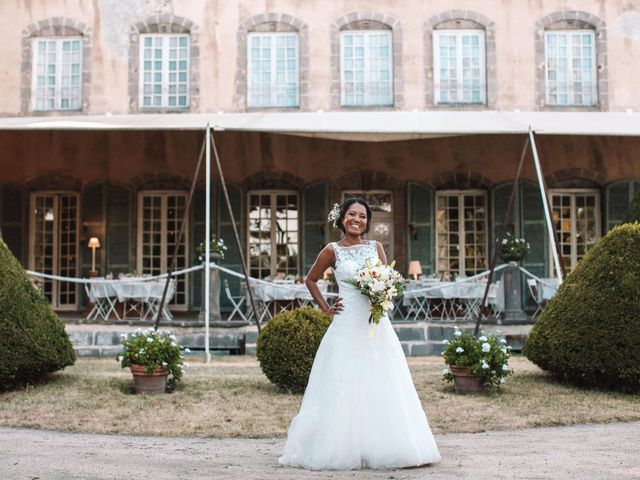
[355, 219]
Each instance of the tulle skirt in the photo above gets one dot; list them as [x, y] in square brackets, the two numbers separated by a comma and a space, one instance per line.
[360, 408]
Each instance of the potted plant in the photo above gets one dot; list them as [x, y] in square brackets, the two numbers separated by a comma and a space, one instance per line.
[216, 249]
[152, 356]
[475, 364]
[513, 249]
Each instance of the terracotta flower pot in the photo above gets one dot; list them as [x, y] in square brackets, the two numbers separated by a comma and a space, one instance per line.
[155, 382]
[464, 381]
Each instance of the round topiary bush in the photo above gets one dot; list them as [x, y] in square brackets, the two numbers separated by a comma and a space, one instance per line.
[33, 341]
[590, 331]
[287, 346]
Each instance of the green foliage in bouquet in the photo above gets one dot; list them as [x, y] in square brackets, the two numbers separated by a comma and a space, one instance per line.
[590, 331]
[380, 283]
[487, 357]
[33, 341]
[287, 346]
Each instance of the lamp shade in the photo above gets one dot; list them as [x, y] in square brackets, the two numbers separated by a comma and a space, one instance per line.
[415, 268]
[94, 242]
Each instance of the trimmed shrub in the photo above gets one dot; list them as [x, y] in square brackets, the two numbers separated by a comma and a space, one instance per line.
[590, 331]
[633, 212]
[33, 341]
[287, 346]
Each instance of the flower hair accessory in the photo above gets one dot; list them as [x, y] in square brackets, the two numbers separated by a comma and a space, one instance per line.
[334, 214]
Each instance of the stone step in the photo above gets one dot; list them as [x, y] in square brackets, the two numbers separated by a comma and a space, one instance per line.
[416, 338]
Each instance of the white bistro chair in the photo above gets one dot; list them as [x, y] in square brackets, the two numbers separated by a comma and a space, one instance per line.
[104, 301]
[238, 303]
[535, 293]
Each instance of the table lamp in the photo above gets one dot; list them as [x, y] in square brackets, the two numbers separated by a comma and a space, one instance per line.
[415, 269]
[93, 244]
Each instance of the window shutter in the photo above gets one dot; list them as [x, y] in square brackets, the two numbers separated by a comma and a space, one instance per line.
[119, 230]
[225, 231]
[92, 212]
[315, 203]
[533, 228]
[13, 219]
[420, 235]
[618, 195]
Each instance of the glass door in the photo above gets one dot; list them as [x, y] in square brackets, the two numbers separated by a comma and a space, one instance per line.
[576, 219]
[273, 234]
[53, 245]
[461, 232]
[159, 217]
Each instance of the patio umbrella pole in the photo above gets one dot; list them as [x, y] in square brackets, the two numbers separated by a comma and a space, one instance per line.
[180, 235]
[235, 232]
[494, 255]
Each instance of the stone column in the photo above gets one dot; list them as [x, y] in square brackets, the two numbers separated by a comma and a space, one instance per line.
[513, 312]
[214, 295]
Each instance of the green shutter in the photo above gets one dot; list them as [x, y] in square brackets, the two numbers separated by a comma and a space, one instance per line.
[225, 231]
[499, 202]
[618, 195]
[420, 234]
[314, 234]
[13, 221]
[119, 230]
[92, 209]
[533, 228]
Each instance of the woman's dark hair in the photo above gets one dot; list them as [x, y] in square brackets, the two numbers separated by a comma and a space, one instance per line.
[345, 206]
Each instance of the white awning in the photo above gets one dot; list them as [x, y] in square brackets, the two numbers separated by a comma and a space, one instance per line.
[361, 125]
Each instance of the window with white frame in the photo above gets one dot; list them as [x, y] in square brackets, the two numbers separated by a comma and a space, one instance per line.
[273, 234]
[459, 66]
[273, 69]
[366, 68]
[57, 73]
[461, 232]
[570, 61]
[576, 219]
[164, 71]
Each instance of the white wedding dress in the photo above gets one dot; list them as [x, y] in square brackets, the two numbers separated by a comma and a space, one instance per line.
[360, 408]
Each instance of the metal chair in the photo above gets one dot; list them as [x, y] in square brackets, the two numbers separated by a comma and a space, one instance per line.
[238, 302]
[534, 291]
[103, 304]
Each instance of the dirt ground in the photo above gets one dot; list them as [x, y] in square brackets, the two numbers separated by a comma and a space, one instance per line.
[606, 451]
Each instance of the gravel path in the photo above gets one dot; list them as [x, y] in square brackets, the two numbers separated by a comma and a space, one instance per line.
[591, 452]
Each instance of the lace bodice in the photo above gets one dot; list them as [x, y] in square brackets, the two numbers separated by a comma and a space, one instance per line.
[351, 259]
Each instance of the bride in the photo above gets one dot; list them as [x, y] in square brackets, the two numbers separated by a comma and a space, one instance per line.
[360, 408]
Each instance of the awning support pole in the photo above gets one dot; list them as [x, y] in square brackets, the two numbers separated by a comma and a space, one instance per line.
[498, 242]
[235, 232]
[180, 235]
[207, 248]
[547, 211]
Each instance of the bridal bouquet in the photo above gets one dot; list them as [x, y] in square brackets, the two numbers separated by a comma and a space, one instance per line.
[381, 283]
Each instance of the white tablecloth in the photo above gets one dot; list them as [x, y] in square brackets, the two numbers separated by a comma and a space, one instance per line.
[132, 288]
[547, 288]
[268, 292]
[448, 290]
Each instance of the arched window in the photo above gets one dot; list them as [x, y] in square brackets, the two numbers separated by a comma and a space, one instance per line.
[58, 76]
[460, 59]
[571, 61]
[366, 60]
[163, 64]
[273, 62]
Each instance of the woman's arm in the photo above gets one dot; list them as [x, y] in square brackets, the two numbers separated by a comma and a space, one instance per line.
[326, 258]
[381, 255]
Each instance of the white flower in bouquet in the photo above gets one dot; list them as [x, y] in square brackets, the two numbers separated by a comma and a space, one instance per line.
[381, 283]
